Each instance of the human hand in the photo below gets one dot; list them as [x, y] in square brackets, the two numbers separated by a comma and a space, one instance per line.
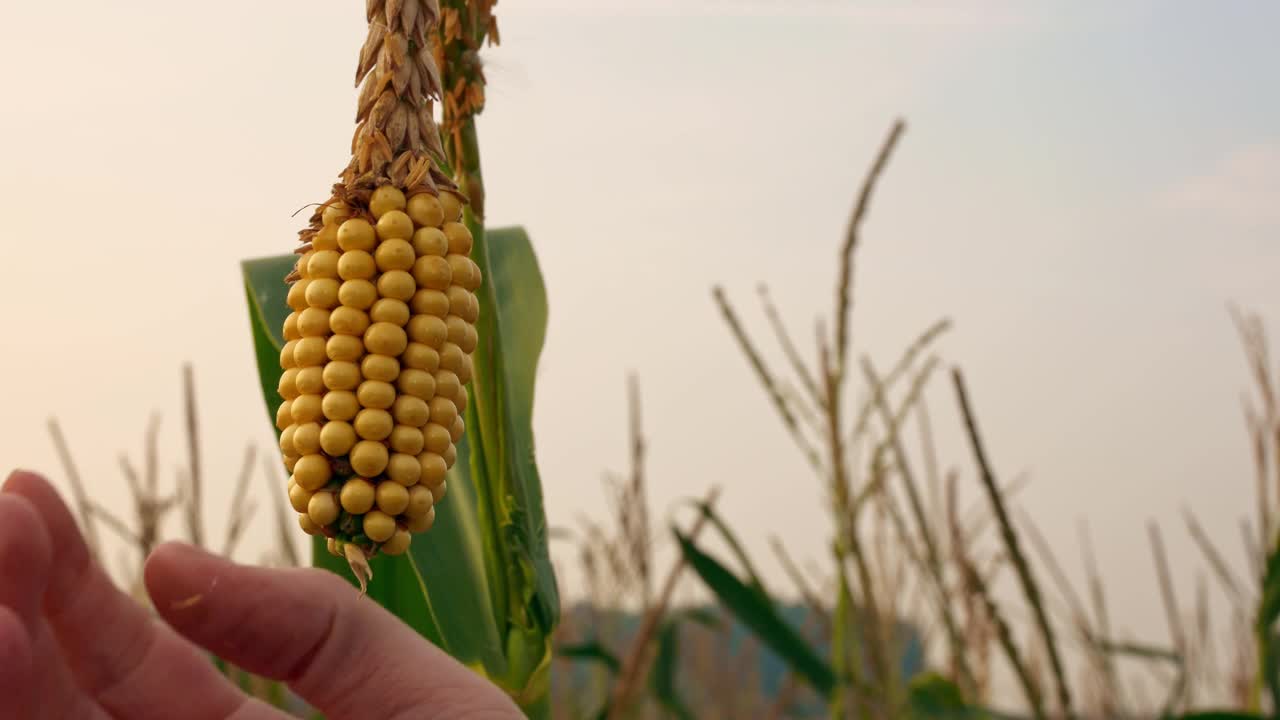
[73, 646]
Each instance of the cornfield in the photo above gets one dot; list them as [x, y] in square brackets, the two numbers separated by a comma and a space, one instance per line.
[904, 619]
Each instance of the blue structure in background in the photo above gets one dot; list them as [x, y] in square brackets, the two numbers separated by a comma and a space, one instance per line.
[771, 671]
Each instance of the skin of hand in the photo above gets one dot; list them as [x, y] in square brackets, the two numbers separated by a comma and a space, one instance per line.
[73, 646]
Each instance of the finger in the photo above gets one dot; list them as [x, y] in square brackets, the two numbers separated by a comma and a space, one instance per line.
[16, 663]
[344, 654]
[130, 664]
[25, 557]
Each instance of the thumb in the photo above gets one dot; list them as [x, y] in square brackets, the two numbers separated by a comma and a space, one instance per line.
[345, 655]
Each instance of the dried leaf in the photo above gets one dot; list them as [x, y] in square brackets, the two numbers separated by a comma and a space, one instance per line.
[416, 95]
[368, 95]
[411, 129]
[452, 25]
[475, 98]
[493, 31]
[429, 71]
[409, 15]
[403, 75]
[393, 10]
[432, 9]
[398, 45]
[381, 153]
[369, 51]
[361, 129]
[399, 169]
[422, 28]
[397, 125]
[367, 181]
[372, 8]
[444, 181]
[387, 61]
[382, 109]
[363, 154]
[420, 175]
[429, 133]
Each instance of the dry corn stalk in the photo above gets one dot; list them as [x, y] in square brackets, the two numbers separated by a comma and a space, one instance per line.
[378, 346]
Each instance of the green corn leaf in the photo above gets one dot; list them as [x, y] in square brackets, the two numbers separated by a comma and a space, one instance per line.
[930, 695]
[757, 612]
[265, 292]
[663, 676]
[735, 545]
[662, 680]
[1268, 613]
[592, 652]
[512, 520]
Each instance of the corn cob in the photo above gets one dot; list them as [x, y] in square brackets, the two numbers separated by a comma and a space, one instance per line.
[378, 347]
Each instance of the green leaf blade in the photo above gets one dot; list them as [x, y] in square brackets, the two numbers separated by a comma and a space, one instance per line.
[757, 612]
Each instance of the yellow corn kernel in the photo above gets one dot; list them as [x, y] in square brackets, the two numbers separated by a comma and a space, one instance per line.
[373, 424]
[459, 236]
[356, 234]
[420, 501]
[379, 526]
[433, 468]
[404, 469]
[392, 498]
[359, 294]
[424, 523]
[385, 199]
[425, 210]
[452, 206]
[406, 439]
[394, 254]
[430, 241]
[398, 544]
[394, 225]
[368, 458]
[390, 310]
[341, 375]
[357, 496]
[436, 438]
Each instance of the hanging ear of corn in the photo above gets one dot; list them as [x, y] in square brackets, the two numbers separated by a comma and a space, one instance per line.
[378, 345]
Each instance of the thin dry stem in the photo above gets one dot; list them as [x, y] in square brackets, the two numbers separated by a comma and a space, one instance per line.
[788, 347]
[284, 525]
[1029, 586]
[629, 677]
[641, 543]
[976, 587]
[844, 286]
[933, 559]
[78, 493]
[195, 524]
[806, 591]
[1231, 585]
[242, 507]
[114, 523]
[1167, 594]
[905, 362]
[767, 380]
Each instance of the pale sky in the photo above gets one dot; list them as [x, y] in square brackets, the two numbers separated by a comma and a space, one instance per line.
[1082, 188]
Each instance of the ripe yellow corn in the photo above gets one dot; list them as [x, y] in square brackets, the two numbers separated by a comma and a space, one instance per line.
[371, 426]
[382, 327]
